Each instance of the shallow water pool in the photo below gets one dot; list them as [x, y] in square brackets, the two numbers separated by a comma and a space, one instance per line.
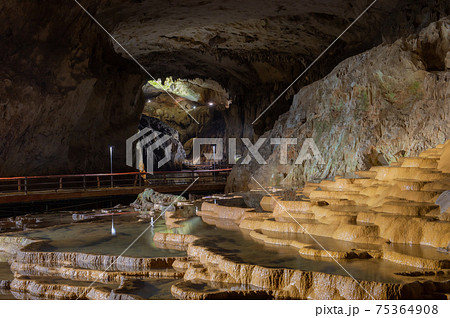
[95, 237]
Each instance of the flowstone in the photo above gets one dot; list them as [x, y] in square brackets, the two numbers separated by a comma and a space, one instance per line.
[150, 200]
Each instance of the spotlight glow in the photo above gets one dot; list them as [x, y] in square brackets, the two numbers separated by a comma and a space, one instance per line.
[211, 104]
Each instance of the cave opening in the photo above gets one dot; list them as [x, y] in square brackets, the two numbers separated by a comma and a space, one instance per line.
[182, 109]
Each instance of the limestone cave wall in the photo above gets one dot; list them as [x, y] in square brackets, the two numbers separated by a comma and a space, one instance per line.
[65, 94]
[388, 102]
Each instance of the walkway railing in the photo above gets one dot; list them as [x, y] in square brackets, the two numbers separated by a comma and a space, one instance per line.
[87, 182]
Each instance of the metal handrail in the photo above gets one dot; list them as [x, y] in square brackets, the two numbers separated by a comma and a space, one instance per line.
[114, 174]
[25, 184]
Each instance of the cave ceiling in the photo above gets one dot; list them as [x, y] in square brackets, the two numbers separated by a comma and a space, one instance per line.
[253, 42]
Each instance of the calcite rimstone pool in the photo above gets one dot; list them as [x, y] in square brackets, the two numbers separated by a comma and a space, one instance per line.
[95, 238]
[78, 252]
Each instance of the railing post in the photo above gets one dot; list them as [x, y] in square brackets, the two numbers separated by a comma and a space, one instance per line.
[19, 187]
[98, 182]
[26, 185]
[140, 179]
[60, 183]
[111, 180]
[84, 182]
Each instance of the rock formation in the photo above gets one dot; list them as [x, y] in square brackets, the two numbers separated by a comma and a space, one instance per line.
[383, 210]
[281, 283]
[67, 275]
[150, 199]
[68, 91]
[386, 205]
[66, 96]
[173, 208]
[372, 109]
[444, 202]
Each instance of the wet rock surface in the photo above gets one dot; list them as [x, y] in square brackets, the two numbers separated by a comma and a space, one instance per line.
[150, 199]
[30, 271]
[372, 109]
[381, 212]
[391, 204]
[172, 208]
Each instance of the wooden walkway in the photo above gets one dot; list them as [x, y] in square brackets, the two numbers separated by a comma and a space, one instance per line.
[63, 187]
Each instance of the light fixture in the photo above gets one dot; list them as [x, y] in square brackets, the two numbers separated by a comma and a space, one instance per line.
[110, 159]
[193, 107]
[211, 104]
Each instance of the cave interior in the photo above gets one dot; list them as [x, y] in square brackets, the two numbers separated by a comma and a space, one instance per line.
[329, 163]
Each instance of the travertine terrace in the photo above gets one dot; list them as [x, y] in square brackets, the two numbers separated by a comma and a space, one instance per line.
[384, 207]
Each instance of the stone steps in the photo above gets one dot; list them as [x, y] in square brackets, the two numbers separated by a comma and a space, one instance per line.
[364, 182]
[406, 208]
[416, 261]
[324, 194]
[409, 184]
[366, 174]
[440, 185]
[385, 197]
[433, 153]
[291, 206]
[418, 196]
[386, 173]
[309, 187]
[420, 162]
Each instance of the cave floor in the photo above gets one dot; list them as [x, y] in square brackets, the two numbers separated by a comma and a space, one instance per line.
[54, 262]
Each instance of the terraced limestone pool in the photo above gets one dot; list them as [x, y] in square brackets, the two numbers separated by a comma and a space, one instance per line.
[135, 239]
[96, 238]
